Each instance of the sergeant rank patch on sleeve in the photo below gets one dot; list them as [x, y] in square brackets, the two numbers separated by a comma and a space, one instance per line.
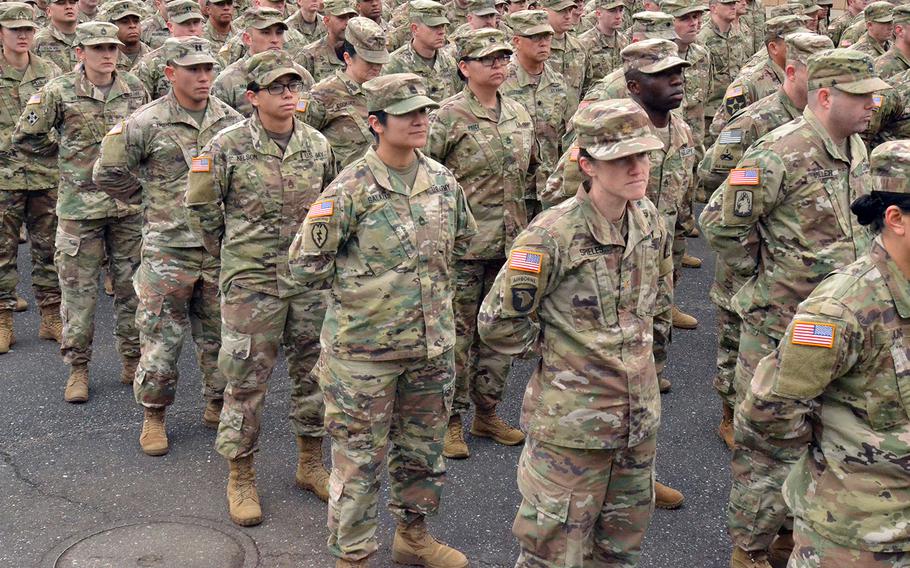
[813, 334]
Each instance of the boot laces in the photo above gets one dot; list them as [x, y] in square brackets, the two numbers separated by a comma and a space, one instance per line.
[246, 486]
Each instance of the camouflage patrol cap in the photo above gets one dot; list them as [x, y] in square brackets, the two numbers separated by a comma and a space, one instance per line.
[397, 93]
[266, 66]
[652, 56]
[780, 10]
[368, 40]
[608, 4]
[802, 45]
[901, 14]
[428, 12]
[825, 2]
[722, 1]
[654, 25]
[679, 8]
[613, 129]
[179, 11]
[849, 70]
[782, 26]
[890, 167]
[481, 7]
[556, 5]
[804, 7]
[530, 22]
[15, 15]
[113, 11]
[881, 12]
[482, 42]
[186, 51]
[97, 33]
[339, 7]
[261, 18]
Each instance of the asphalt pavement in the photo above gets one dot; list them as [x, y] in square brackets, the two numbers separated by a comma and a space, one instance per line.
[75, 489]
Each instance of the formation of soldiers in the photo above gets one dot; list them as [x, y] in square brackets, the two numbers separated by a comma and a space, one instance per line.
[406, 196]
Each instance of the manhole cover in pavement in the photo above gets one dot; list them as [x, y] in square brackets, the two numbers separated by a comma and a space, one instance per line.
[158, 543]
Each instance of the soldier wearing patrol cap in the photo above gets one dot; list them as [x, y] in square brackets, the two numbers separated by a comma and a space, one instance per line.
[249, 189]
[423, 55]
[56, 42]
[728, 54]
[819, 159]
[852, 34]
[326, 55]
[609, 246]
[145, 160]
[126, 14]
[28, 187]
[493, 154]
[879, 17]
[385, 234]
[481, 14]
[235, 48]
[823, 20]
[63, 119]
[604, 41]
[824, 421]
[652, 25]
[851, 16]
[307, 21]
[739, 134]
[218, 26]
[154, 28]
[897, 58]
[568, 57]
[339, 104]
[184, 20]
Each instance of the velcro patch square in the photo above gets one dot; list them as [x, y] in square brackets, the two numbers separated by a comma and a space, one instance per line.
[117, 129]
[734, 136]
[302, 105]
[734, 91]
[34, 99]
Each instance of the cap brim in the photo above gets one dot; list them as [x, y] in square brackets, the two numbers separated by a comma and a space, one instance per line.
[272, 76]
[541, 29]
[491, 49]
[625, 148]
[669, 35]
[664, 64]
[486, 12]
[888, 21]
[102, 41]
[863, 87]
[433, 22]
[18, 24]
[343, 12]
[561, 6]
[410, 105]
[122, 15]
[688, 10]
[270, 23]
[191, 60]
[371, 56]
[185, 18]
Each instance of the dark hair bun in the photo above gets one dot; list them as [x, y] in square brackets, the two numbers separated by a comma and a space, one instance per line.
[868, 209]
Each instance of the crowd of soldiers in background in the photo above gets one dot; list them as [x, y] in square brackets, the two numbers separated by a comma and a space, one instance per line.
[407, 195]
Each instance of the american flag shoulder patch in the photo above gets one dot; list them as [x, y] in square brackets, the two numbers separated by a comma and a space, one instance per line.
[34, 99]
[323, 208]
[573, 153]
[734, 136]
[734, 91]
[117, 129]
[201, 164]
[302, 105]
[744, 176]
[813, 334]
[525, 260]
[877, 101]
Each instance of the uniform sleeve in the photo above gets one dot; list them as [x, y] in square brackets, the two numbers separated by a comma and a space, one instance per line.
[664, 301]
[146, 74]
[322, 235]
[207, 185]
[35, 131]
[465, 225]
[122, 150]
[438, 140]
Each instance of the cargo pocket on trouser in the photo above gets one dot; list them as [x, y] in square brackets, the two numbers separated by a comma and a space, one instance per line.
[234, 360]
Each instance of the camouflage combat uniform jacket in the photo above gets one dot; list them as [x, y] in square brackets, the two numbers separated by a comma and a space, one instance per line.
[320, 59]
[698, 84]
[154, 31]
[891, 63]
[839, 412]
[585, 294]
[602, 55]
[125, 62]
[746, 89]
[217, 38]
[309, 32]
[152, 152]
[340, 113]
[68, 118]
[870, 45]
[839, 25]
[388, 250]
[230, 86]
[441, 79]
[569, 60]
[51, 44]
[245, 200]
[728, 55]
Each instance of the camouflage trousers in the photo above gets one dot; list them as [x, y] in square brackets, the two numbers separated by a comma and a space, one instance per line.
[79, 255]
[177, 288]
[754, 345]
[728, 324]
[36, 210]
[812, 550]
[253, 326]
[376, 411]
[480, 372]
[583, 507]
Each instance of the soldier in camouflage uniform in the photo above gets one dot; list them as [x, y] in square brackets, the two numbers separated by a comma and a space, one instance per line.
[568, 57]
[265, 31]
[781, 222]
[56, 42]
[125, 15]
[218, 27]
[851, 16]
[385, 234]
[824, 419]
[339, 104]
[307, 21]
[739, 134]
[323, 57]
[177, 280]
[852, 34]
[28, 192]
[248, 191]
[235, 49]
[728, 54]
[154, 28]
[687, 16]
[184, 20]
[493, 155]
[879, 17]
[896, 60]
[755, 20]
[541, 90]
[68, 118]
[423, 55]
[585, 273]
[603, 42]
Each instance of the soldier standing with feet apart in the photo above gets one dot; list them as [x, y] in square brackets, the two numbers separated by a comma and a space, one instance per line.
[386, 233]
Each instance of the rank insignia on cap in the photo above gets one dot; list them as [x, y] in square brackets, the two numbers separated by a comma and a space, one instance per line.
[877, 101]
[34, 99]
[322, 209]
[302, 105]
[201, 164]
[117, 129]
[813, 334]
[525, 260]
[743, 176]
[730, 137]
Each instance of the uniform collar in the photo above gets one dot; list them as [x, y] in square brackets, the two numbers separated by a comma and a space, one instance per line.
[483, 112]
[895, 280]
[85, 88]
[213, 112]
[855, 158]
[350, 84]
[265, 145]
[606, 233]
[381, 173]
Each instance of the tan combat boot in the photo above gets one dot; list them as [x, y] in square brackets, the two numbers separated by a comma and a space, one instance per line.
[749, 559]
[488, 424]
[153, 438]
[689, 261]
[21, 304]
[243, 499]
[7, 336]
[725, 429]
[128, 371]
[23, 234]
[682, 320]
[211, 416]
[108, 282]
[667, 497]
[51, 325]
[77, 385]
[780, 550]
[455, 446]
[663, 384]
[311, 473]
[413, 545]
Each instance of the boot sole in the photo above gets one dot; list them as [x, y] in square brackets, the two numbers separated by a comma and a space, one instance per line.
[412, 560]
[76, 399]
[686, 327]
[211, 425]
[480, 434]
[48, 336]
[459, 456]
[246, 522]
[155, 453]
[308, 487]
[691, 265]
[670, 506]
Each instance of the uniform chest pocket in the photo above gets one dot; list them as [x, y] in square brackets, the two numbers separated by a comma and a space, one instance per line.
[384, 240]
[245, 200]
[888, 399]
[592, 306]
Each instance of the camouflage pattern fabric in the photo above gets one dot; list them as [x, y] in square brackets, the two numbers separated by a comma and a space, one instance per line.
[891, 63]
[755, 19]
[602, 55]
[310, 32]
[728, 331]
[441, 79]
[729, 53]
[812, 550]
[56, 47]
[698, 84]
[340, 112]
[126, 62]
[230, 86]
[746, 90]
[320, 59]
[568, 58]
[150, 70]
[154, 31]
[868, 44]
[234, 49]
[216, 38]
[839, 24]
